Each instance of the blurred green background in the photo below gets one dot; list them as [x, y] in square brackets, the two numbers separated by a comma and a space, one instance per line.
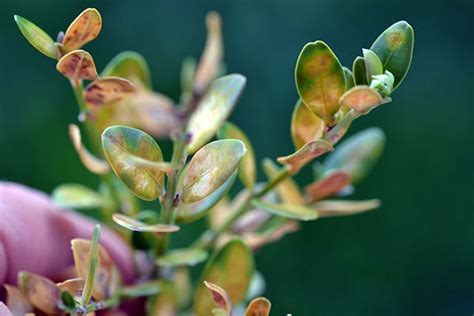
[413, 256]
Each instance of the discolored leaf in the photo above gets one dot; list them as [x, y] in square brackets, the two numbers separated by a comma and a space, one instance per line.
[232, 267]
[136, 225]
[77, 196]
[327, 186]
[182, 257]
[106, 91]
[305, 126]
[336, 133]
[320, 80]
[37, 37]
[210, 167]
[91, 162]
[107, 278]
[373, 65]
[361, 98]
[358, 154]
[349, 78]
[214, 108]
[73, 286]
[305, 154]
[395, 49]
[186, 213]
[259, 306]
[288, 190]
[247, 168]
[77, 65]
[41, 292]
[293, 211]
[359, 72]
[14, 300]
[82, 30]
[331, 208]
[131, 66]
[211, 59]
[127, 150]
[256, 240]
[220, 297]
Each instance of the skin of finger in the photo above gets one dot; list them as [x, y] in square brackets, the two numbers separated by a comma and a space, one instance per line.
[35, 235]
[4, 311]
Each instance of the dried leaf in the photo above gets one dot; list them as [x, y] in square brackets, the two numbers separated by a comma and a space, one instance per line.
[139, 226]
[210, 167]
[293, 211]
[106, 91]
[305, 126]
[256, 240]
[358, 154]
[232, 267]
[327, 186]
[288, 190]
[14, 300]
[77, 196]
[73, 286]
[42, 293]
[359, 72]
[320, 80]
[37, 37]
[395, 49]
[77, 65]
[247, 168]
[122, 146]
[220, 297]
[373, 65]
[131, 66]
[91, 162]
[186, 213]
[361, 98]
[214, 108]
[182, 257]
[82, 30]
[330, 208]
[259, 306]
[107, 277]
[305, 154]
[211, 59]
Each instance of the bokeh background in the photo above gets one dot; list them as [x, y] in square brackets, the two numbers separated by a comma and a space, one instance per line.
[413, 256]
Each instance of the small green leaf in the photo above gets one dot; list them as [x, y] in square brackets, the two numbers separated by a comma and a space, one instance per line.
[232, 267]
[259, 306]
[220, 297]
[41, 292]
[93, 263]
[395, 49]
[349, 78]
[77, 196]
[361, 98]
[373, 65]
[37, 37]
[131, 66]
[182, 257]
[305, 126]
[288, 190]
[359, 72]
[186, 213]
[327, 186]
[68, 300]
[358, 154]
[122, 145]
[320, 80]
[305, 154]
[139, 226]
[107, 90]
[188, 69]
[330, 208]
[210, 167]
[214, 108]
[247, 168]
[82, 30]
[77, 65]
[293, 211]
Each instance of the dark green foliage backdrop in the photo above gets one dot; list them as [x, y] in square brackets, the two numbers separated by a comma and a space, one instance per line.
[414, 256]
